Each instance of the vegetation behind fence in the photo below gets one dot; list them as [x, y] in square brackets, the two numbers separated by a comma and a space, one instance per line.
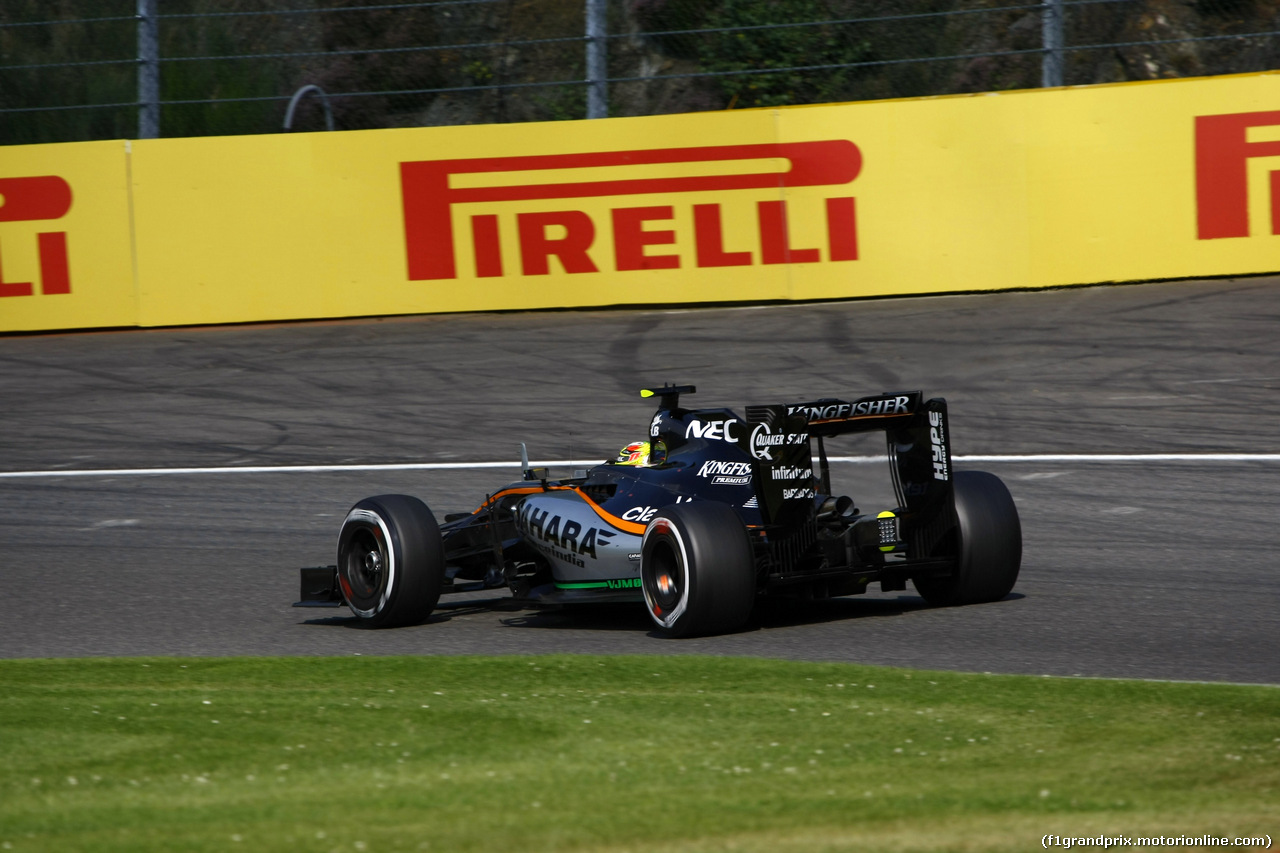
[75, 70]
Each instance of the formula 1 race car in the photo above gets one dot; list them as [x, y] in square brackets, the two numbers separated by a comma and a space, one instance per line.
[713, 511]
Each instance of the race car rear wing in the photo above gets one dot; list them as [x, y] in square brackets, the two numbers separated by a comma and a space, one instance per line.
[777, 440]
[919, 440]
[829, 416]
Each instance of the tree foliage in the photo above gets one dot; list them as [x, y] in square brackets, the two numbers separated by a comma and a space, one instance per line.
[70, 68]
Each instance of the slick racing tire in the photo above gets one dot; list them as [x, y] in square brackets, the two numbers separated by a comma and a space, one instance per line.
[697, 570]
[990, 544]
[390, 561]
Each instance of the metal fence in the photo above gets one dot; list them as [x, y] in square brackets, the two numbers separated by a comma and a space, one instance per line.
[100, 69]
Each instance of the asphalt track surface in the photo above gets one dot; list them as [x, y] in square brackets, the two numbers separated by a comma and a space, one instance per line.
[1134, 566]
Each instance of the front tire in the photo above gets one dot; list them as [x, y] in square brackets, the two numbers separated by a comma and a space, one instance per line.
[390, 561]
[990, 544]
[697, 570]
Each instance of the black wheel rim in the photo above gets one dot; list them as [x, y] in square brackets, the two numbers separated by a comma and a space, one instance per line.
[663, 580]
[364, 566]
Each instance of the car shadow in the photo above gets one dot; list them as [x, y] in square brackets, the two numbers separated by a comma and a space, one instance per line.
[770, 613]
[783, 612]
[445, 611]
[791, 612]
[583, 617]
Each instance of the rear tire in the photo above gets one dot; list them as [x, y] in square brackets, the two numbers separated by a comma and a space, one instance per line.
[390, 561]
[990, 544]
[697, 570]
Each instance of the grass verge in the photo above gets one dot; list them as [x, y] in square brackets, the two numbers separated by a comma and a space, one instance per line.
[615, 754]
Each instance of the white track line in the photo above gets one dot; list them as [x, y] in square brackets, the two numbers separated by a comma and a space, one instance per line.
[1087, 458]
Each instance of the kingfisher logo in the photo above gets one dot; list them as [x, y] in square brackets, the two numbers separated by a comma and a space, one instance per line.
[432, 188]
[45, 197]
[1223, 152]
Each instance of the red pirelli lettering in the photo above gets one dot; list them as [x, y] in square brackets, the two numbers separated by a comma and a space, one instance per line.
[1223, 152]
[488, 245]
[55, 271]
[842, 229]
[775, 242]
[31, 199]
[708, 235]
[428, 199]
[35, 199]
[537, 245]
[14, 288]
[630, 238]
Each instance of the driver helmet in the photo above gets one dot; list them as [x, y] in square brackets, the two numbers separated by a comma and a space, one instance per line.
[636, 453]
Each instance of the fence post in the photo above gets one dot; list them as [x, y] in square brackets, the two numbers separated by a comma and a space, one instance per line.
[148, 70]
[597, 60]
[1051, 72]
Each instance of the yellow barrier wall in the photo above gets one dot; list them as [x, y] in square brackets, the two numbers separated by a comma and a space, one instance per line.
[314, 225]
[65, 252]
[1126, 182]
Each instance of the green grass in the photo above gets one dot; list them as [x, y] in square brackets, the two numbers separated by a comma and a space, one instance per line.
[640, 754]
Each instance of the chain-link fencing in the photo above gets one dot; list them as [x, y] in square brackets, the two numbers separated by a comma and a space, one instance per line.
[75, 70]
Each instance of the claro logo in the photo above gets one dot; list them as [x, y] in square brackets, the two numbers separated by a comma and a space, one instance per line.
[1223, 152]
[36, 199]
[431, 189]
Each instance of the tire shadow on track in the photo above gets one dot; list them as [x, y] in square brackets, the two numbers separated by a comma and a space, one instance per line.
[446, 612]
[769, 614]
[584, 617]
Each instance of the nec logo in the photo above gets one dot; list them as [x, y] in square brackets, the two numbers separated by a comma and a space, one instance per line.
[36, 199]
[429, 198]
[1223, 151]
